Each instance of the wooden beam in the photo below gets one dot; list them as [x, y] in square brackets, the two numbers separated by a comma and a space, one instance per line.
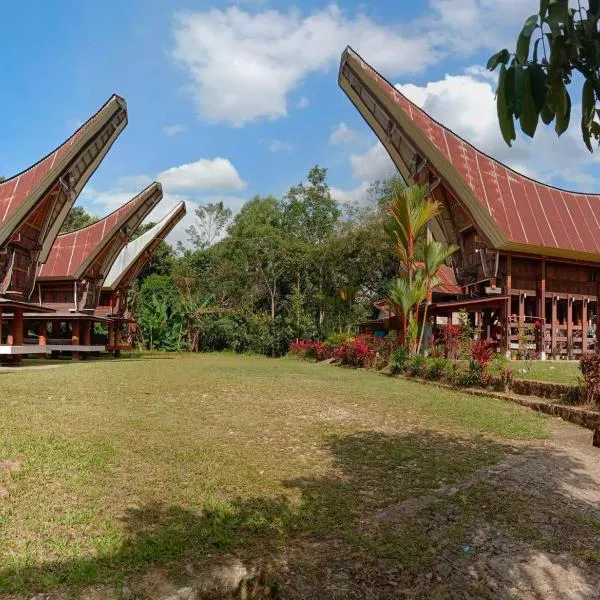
[584, 326]
[43, 333]
[541, 304]
[75, 338]
[554, 323]
[569, 326]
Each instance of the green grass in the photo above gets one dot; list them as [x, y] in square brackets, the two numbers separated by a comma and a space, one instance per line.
[166, 461]
[555, 371]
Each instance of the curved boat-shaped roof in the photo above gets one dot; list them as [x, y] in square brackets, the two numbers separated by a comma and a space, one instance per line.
[69, 166]
[139, 251]
[512, 211]
[96, 246]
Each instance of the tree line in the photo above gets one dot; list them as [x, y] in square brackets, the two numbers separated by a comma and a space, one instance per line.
[302, 266]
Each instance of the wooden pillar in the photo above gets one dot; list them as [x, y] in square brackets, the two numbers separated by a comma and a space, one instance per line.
[554, 324]
[584, 326]
[111, 327]
[118, 337]
[1, 317]
[86, 333]
[541, 311]
[569, 326]
[507, 306]
[18, 327]
[43, 333]
[75, 355]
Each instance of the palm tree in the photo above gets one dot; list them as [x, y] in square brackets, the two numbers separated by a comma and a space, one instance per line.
[404, 295]
[411, 210]
[434, 256]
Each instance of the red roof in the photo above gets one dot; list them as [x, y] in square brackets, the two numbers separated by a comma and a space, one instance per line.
[73, 252]
[19, 194]
[447, 283]
[525, 214]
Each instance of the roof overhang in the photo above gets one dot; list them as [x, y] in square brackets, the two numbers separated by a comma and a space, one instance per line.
[364, 88]
[129, 262]
[110, 111]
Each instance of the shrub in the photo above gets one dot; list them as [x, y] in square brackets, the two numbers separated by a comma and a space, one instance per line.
[398, 359]
[335, 340]
[472, 377]
[450, 339]
[589, 365]
[310, 349]
[415, 366]
[438, 368]
[358, 352]
[482, 353]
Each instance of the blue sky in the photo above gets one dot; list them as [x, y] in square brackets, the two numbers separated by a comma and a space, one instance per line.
[227, 100]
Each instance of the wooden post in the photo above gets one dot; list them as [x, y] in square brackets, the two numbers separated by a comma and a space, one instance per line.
[1, 317]
[118, 337]
[43, 333]
[569, 326]
[75, 355]
[554, 323]
[110, 333]
[507, 304]
[86, 333]
[541, 302]
[584, 326]
[18, 327]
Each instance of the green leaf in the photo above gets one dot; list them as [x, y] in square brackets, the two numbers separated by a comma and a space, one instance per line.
[547, 114]
[520, 75]
[588, 105]
[529, 115]
[505, 116]
[501, 57]
[538, 86]
[558, 12]
[525, 38]
[594, 7]
[543, 8]
[563, 111]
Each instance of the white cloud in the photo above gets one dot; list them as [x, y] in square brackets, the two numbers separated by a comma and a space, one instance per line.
[242, 66]
[373, 164]
[342, 134]
[465, 104]
[351, 196]
[303, 102]
[204, 174]
[279, 146]
[171, 130]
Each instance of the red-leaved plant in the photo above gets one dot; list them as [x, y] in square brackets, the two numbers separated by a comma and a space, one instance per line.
[482, 353]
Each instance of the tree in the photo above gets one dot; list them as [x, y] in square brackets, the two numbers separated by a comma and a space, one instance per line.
[77, 218]
[411, 210]
[257, 238]
[533, 82]
[212, 220]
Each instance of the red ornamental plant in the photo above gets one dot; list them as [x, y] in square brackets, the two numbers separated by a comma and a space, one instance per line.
[450, 337]
[482, 353]
[311, 349]
[358, 352]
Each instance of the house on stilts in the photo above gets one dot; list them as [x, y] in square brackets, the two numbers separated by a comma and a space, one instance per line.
[528, 266]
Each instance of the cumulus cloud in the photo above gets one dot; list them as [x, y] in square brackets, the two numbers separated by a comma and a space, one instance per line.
[204, 174]
[465, 104]
[171, 130]
[196, 183]
[342, 134]
[243, 65]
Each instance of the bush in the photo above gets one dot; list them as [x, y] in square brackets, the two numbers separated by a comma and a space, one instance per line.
[472, 377]
[415, 366]
[398, 359]
[589, 365]
[335, 340]
[438, 368]
[482, 353]
[358, 352]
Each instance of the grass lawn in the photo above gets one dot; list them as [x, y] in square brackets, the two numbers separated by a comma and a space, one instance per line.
[556, 371]
[114, 470]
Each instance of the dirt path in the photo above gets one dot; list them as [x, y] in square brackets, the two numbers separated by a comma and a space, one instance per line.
[531, 541]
